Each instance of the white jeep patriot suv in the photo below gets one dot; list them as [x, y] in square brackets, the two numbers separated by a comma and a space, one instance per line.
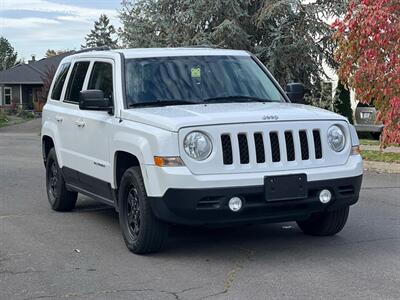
[193, 136]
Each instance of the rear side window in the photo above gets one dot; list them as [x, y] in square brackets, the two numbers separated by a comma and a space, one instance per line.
[102, 79]
[59, 81]
[76, 80]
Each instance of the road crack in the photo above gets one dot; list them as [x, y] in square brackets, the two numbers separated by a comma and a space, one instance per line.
[232, 273]
[114, 291]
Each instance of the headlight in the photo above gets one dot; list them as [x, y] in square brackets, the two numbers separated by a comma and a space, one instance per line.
[336, 138]
[197, 145]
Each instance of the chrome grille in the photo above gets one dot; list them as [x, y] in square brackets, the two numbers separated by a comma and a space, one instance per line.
[295, 144]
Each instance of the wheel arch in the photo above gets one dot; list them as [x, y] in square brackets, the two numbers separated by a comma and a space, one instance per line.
[123, 160]
[47, 145]
[49, 137]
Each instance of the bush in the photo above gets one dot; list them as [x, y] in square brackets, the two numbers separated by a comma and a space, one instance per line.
[24, 114]
[3, 118]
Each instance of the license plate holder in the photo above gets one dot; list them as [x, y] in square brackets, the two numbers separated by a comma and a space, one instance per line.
[365, 115]
[285, 187]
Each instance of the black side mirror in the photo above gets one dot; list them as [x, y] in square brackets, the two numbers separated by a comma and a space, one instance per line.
[94, 100]
[295, 92]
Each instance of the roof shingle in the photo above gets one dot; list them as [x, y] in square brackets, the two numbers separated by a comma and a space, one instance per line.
[30, 73]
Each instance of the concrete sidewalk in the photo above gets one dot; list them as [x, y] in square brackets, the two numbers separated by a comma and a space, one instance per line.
[382, 167]
[379, 166]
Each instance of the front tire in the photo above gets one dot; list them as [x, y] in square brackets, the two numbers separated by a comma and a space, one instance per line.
[59, 197]
[326, 223]
[142, 231]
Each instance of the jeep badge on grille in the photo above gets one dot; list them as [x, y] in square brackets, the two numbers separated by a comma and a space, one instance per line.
[270, 117]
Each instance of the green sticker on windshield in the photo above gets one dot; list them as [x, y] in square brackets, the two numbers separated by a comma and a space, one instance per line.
[196, 72]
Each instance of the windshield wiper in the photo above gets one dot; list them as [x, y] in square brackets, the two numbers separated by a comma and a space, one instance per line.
[237, 99]
[162, 103]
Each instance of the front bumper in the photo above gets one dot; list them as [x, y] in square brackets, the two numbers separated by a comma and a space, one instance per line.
[159, 180]
[209, 206]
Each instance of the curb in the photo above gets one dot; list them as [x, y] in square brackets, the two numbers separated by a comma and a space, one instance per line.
[393, 168]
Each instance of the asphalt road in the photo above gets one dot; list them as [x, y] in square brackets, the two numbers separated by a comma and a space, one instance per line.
[38, 259]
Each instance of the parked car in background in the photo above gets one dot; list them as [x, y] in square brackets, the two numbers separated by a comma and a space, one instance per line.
[365, 120]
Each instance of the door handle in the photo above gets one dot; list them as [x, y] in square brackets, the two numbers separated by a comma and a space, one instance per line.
[80, 123]
[59, 119]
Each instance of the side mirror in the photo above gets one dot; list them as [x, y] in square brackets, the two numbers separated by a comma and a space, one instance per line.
[295, 92]
[94, 100]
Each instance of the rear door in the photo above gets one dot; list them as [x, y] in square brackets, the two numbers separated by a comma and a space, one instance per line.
[93, 135]
[70, 115]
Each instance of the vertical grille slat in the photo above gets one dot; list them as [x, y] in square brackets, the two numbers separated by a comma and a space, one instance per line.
[243, 148]
[275, 150]
[317, 144]
[260, 150]
[305, 154]
[226, 149]
[289, 146]
[257, 147]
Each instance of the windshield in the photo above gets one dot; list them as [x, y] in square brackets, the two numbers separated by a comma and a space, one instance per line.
[197, 79]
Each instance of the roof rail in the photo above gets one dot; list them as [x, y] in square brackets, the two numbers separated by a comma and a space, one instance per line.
[206, 46]
[102, 48]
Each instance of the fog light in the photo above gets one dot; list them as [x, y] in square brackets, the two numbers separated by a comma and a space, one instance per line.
[235, 204]
[325, 196]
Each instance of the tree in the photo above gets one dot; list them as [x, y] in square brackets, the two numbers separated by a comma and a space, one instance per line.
[289, 36]
[368, 40]
[342, 103]
[47, 80]
[102, 34]
[8, 57]
[52, 52]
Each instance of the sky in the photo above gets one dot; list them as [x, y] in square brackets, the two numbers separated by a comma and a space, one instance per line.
[33, 26]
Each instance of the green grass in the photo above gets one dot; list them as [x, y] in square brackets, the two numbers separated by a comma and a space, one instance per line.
[3, 120]
[369, 142]
[7, 120]
[389, 157]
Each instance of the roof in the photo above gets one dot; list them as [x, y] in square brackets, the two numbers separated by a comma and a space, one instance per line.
[162, 52]
[31, 73]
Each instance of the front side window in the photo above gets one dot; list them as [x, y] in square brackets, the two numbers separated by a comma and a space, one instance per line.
[7, 95]
[59, 81]
[102, 79]
[197, 79]
[76, 80]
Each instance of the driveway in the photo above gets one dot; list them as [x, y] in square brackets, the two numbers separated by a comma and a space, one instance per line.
[81, 254]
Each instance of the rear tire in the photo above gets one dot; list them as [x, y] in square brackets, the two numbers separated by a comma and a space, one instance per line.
[326, 223]
[59, 197]
[142, 231]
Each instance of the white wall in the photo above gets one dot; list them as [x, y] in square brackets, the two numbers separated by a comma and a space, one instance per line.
[333, 77]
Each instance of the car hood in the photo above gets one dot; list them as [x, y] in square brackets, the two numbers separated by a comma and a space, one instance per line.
[173, 118]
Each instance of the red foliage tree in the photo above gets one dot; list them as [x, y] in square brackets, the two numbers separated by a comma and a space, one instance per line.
[368, 53]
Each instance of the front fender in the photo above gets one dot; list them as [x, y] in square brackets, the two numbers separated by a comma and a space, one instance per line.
[144, 145]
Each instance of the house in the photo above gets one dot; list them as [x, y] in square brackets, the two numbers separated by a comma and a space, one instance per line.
[23, 83]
